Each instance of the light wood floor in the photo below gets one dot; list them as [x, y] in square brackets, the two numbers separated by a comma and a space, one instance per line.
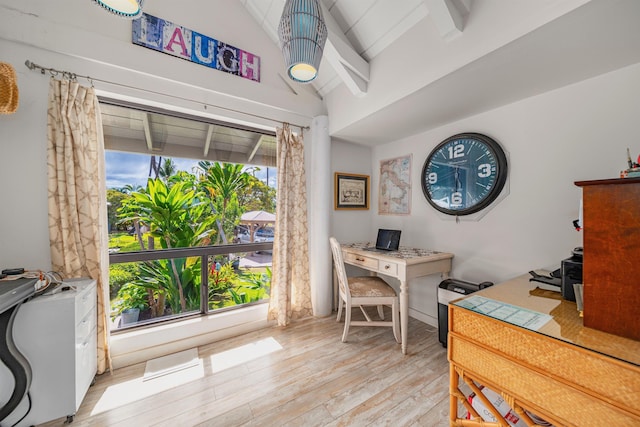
[301, 375]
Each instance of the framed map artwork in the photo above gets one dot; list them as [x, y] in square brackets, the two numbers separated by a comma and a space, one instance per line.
[394, 197]
[351, 191]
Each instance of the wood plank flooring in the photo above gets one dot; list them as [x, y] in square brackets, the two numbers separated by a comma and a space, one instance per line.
[301, 375]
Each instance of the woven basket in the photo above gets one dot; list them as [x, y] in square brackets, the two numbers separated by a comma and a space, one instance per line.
[8, 89]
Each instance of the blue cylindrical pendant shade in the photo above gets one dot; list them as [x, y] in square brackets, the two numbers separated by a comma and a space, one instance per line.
[130, 9]
[302, 33]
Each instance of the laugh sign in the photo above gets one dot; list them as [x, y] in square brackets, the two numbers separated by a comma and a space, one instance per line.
[167, 37]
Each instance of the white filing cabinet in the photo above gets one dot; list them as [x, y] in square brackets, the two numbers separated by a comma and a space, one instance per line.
[57, 335]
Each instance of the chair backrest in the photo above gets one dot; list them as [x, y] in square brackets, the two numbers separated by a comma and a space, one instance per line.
[338, 263]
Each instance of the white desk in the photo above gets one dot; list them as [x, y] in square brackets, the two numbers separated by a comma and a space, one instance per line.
[404, 264]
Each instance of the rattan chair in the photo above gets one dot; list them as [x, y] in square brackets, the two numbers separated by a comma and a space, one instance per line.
[361, 291]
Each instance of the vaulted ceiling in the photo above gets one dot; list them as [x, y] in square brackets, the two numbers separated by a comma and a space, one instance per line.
[395, 68]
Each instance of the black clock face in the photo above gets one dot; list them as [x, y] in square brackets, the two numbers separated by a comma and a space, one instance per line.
[464, 174]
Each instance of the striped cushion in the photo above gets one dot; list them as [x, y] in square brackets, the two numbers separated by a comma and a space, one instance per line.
[370, 286]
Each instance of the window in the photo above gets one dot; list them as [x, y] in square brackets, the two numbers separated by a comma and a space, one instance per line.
[182, 193]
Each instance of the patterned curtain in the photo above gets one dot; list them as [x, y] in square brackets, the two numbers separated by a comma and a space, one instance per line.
[77, 195]
[290, 288]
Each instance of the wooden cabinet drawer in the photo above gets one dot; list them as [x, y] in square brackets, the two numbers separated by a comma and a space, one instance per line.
[389, 268]
[362, 260]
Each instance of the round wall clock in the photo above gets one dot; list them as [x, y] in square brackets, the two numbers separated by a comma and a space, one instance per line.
[464, 174]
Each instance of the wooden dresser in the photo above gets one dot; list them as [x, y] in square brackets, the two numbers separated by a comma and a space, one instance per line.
[559, 370]
[611, 265]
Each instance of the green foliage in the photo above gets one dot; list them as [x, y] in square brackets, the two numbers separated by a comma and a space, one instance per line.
[257, 196]
[119, 274]
[228, 288]
[129, 296]
[159, 277]
[221, 182]
[178, 217]
[220, 281]
[185, 210]
[167, 169]
[114, 202]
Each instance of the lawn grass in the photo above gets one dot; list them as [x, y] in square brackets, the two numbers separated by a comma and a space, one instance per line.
[128, 243]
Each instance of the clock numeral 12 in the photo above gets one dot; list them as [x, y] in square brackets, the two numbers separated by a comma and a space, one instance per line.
[456, 151]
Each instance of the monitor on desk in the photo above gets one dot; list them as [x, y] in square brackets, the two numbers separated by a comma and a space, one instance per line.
[388, 240]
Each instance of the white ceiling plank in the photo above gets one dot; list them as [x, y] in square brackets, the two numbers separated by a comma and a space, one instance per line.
[448, 16]
[383, 24]
[347, 63]
[258, 8]
[383, 40]
[349, 12]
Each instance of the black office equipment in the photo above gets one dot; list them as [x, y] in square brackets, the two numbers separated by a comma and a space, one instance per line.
[449, 290]
[571, 273]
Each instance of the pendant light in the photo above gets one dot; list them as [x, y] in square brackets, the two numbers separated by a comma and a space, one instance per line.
[130, 9]
[302, 33]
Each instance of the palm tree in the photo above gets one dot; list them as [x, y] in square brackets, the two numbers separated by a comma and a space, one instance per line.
[168, 169]
[154, 167]
[223, 181]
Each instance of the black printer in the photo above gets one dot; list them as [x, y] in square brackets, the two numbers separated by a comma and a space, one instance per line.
[449, 290]
[571, 272]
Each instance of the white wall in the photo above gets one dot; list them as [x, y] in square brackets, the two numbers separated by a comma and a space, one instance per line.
[351, 225]
[24, 232]
[580, 132]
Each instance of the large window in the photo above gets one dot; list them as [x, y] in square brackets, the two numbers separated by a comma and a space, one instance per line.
[191, 206]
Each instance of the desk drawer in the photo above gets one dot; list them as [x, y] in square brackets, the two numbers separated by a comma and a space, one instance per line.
[389, 268]
[365, 261]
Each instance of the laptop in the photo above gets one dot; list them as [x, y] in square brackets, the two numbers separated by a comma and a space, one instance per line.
[387, 240]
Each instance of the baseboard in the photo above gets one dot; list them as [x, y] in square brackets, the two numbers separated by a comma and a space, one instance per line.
[423, 317]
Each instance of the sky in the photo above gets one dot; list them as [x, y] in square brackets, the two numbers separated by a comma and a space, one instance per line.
[130, 168]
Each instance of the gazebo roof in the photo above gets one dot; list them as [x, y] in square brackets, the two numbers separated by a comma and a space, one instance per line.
[257, 217]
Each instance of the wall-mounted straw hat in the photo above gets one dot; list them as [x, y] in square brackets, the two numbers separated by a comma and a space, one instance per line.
[8, 89]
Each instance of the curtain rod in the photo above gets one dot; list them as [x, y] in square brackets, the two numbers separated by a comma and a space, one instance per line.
[74, 77]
